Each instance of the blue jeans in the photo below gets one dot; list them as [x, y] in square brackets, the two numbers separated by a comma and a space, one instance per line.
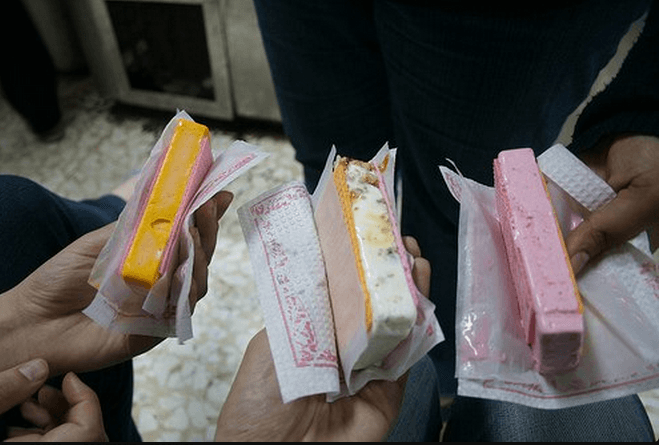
[35, 224]
[419, 419]
[437, 80]
[479, 420]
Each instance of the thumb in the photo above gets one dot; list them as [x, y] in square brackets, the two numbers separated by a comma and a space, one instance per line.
[85, 408]
[223, 201]
[618, 221]
[20, 382]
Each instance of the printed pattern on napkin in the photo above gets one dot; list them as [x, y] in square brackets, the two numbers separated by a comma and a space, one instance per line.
[282, 240]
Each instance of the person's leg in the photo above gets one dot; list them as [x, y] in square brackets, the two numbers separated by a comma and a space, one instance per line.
[27, 73]
[465, 85]
[331, 89]
[618, 420]
[35, 224]
[329, 78]
[419, 419]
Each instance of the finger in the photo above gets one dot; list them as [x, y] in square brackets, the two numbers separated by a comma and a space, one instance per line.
[199, 285]
[18, 434]
[421, 266]
[257, 358]
[204, 234]
[412, 246]
[199, 266]
[223, 200]
[75, 391]
[624, 217]
[192, 298]
[207, 218]
[37, 415]
[20, 382]
[259, 341]
[207, 225]
[85, 408]
[84, 421]
[421, 275]
[53, 401]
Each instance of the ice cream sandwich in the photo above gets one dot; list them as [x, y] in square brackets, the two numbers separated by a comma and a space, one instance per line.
[549, 302]
[387, 289]
[182, 168]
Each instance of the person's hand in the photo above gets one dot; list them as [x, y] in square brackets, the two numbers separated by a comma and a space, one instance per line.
[17, 384]
[70, 415]
[42, 316]
[73, 414]
[630, 165]
[254, 410]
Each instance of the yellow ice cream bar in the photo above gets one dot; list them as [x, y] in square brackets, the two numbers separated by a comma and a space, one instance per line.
[184, 166]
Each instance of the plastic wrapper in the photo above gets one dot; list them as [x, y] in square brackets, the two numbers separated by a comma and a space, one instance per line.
[289, 242]
[165, 309]
[620, 292]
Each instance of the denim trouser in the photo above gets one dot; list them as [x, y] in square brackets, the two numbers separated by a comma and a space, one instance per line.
[440, 80]
[471, 419]
[36, 224]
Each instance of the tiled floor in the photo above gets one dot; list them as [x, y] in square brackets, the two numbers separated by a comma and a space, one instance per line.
[179, 388]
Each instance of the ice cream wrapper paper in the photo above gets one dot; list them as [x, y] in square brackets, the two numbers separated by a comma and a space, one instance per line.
[305, 274]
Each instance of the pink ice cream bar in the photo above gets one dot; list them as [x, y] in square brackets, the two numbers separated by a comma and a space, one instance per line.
[549, 301]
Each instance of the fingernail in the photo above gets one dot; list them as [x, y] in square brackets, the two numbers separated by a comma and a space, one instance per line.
[578, 261]
[74, 380]
[34, 370]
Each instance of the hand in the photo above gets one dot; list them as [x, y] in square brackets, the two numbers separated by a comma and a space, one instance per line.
[630, 165]
[71, 415]
[254, 410]
[41, 317]
[17, 384]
